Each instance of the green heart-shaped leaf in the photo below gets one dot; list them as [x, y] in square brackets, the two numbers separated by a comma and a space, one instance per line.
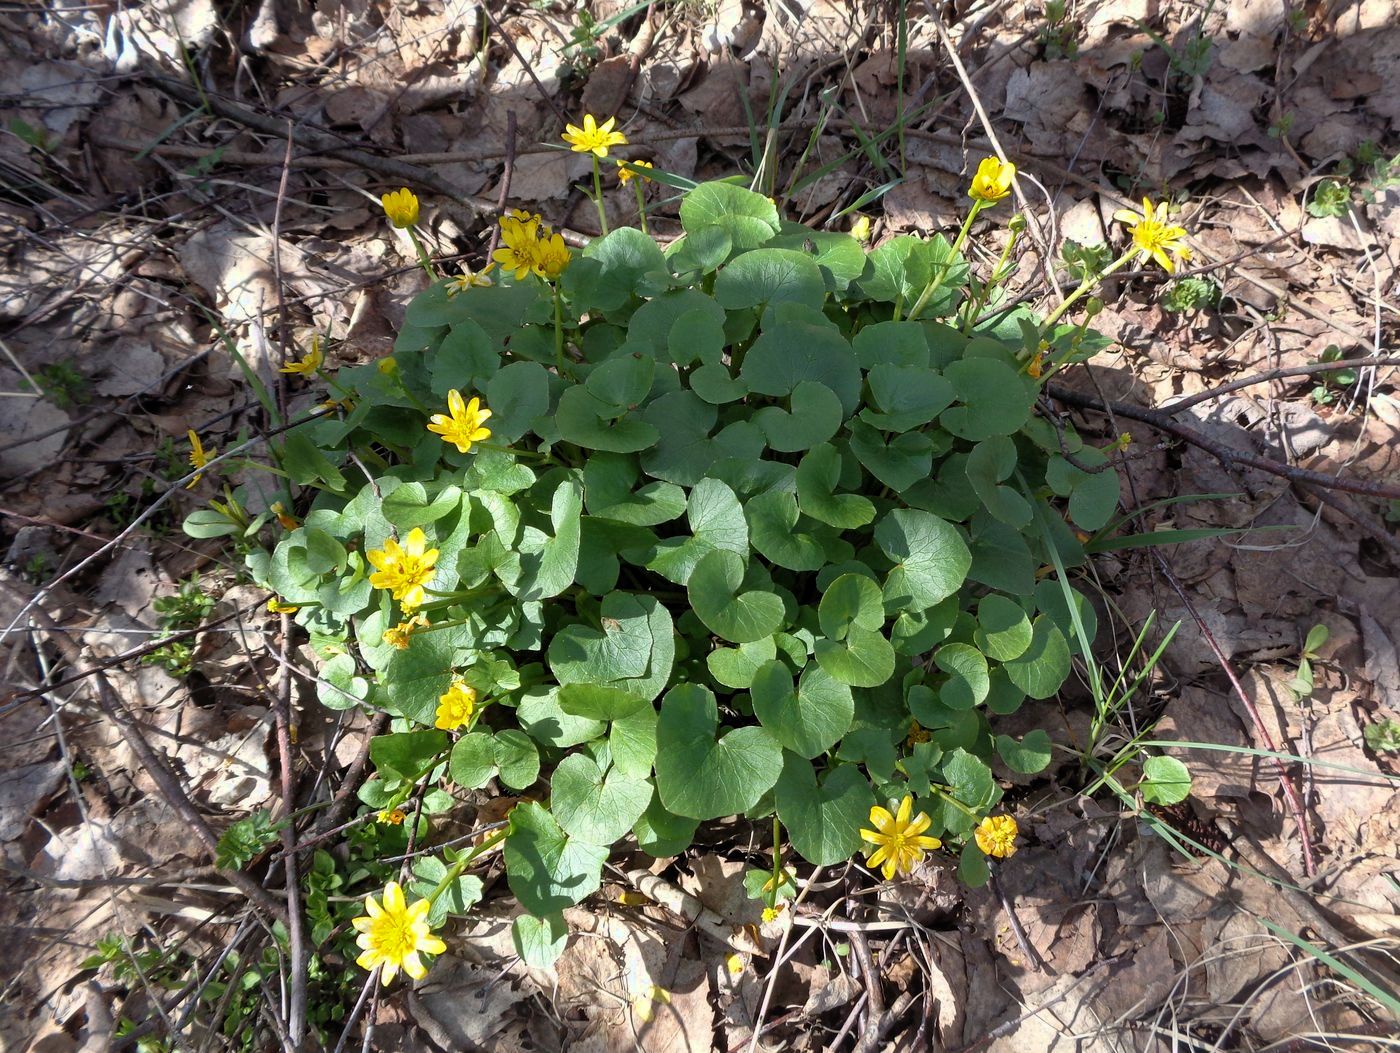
[739, 617]
[967, 671]
[808, 721]
[931, 559]
[594, 806]
[701, 776]
[815, 416]
[1044, 665]
[772, 518]
[852, 599]
[823, 820]
[1003, 629]
[547, 869]
[817, 477]
[863, 659]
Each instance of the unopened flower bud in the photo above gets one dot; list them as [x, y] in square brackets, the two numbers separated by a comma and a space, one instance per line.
[1093, 306]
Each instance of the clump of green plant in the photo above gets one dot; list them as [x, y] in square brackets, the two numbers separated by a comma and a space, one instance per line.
[764, 524]
[179, 612]
[1189, 294]
[1302, 683]
[1059, 36]
[1329, 383]
[63, 385]
[1383, 736]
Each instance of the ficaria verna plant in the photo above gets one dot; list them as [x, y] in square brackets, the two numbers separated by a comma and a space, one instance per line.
[760, 524]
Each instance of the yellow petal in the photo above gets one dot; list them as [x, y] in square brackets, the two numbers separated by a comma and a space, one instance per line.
[905, 807]
[431, 944]
[414, 966]
[393, 894]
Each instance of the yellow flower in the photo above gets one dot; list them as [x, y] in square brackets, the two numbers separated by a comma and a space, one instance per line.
[917, 734]
[642, 1004]
[593, 138]
[625, 174]
[404, 569]
[307, 367]
[393, 935]
[462, 424]
[199, 457]
[551, 257]
[996, 836]
[285, 519]
[900, 841]
[276, 606]
[992, 181]
[469, 279]
[398, 635]
[1036, 365]
[339, 405]
[455, 706]
[387, 365]
[1153, 236]
[860, 229]
[392, 816]
[401, 207]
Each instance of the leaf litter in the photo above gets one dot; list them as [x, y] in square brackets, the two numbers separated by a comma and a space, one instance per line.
[1244, 104]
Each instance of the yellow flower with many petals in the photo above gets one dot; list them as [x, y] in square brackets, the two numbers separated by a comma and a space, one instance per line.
[551, 257]
[899, 840]
[455, 706]
[401, 207]
[1153, 236]
[462, 424]
[391, 816]
[399, 635]
[593, 138]
[306, 367]
[860, 229]
[199, 457]
[276, 606]
[520, 240]
[992, 181]
[404, 569]
[996, 836]
[393, 934]
[470, 279]
[625, 174]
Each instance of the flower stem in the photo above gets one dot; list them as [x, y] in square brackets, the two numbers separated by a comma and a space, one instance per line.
[559, 362]
[937, 282]
[993, 280]
[598, 196]
[942, 791]
[423, 260]
[1084, 289]
[641, 203]
[455, 870]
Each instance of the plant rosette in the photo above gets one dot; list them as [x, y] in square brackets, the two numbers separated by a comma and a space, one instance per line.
[739, 537]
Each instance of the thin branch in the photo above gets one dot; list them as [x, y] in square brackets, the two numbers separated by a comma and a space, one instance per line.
[1226, 455]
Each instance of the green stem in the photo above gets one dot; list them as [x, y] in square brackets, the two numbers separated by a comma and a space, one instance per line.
[777, 862]
[408, 787]
[641, 203]
[942, 791]
[455, 870]
[1084, 289]
[598, 196]
[993, 280]
[426, 263]
[937, 282]
[559, 362]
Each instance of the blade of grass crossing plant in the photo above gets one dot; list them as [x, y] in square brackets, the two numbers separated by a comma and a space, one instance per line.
[1385, 998]
[873, 194]
[1250, 751]
[264, 396]
[880, 137]
[1173, 537]
[1095, 674]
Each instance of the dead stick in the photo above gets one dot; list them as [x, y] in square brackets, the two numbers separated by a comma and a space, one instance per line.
[1037, 962]
[114, 710]
[1290, 793]
[1226, 455]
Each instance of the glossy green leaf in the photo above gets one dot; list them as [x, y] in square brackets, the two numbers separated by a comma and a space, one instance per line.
[702, 774]
[595, 806]
[931, 559]
[1044, 666]
[823, 819]
[716, 594]
[809, 720]
[546, 868]
[815, 417]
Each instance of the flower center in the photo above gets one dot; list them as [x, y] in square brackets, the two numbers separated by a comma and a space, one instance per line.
[392, 938]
